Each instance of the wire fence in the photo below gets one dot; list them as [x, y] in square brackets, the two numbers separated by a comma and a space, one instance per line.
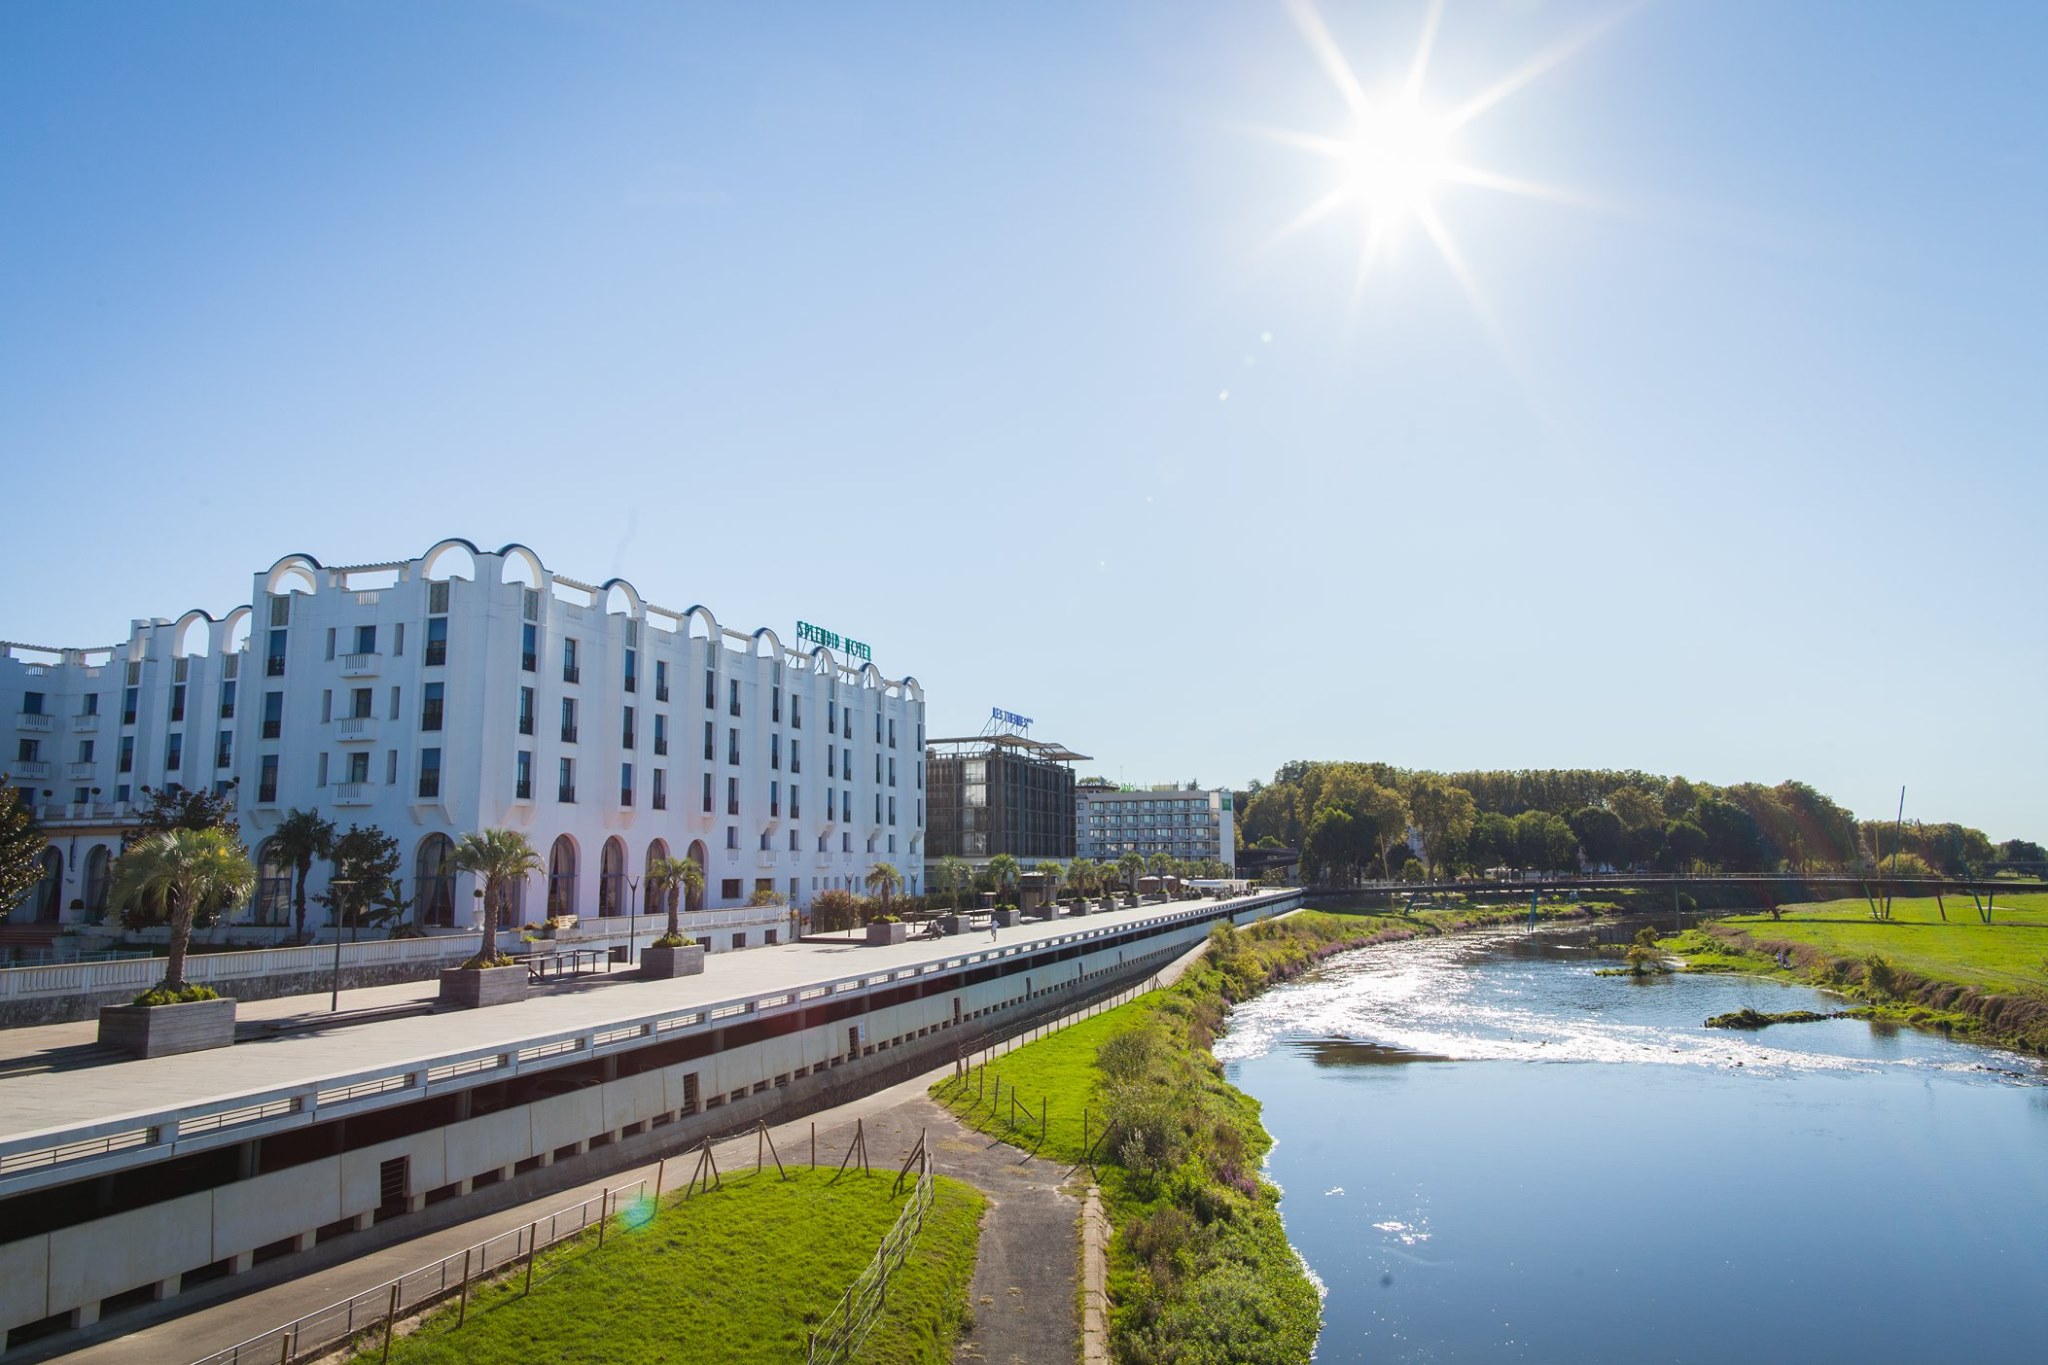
[376, 1311]
[848, 1327]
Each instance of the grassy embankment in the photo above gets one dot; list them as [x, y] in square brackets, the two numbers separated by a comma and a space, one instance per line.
[1200, 1267]
[739, 1274]
[1987, 982]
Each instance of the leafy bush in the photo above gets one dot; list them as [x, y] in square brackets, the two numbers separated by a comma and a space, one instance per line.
[186, 995]
[835, 909]
[673, 941]
[481, 963]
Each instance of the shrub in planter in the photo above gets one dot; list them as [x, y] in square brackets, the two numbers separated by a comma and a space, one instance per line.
[671, 955]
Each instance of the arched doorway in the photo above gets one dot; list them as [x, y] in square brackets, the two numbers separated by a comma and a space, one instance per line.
[611, 878]
[50, 890]
[562, 877]
[433, 880]
[653, 898]
[99, 876]
[273, 901]
[702, 857]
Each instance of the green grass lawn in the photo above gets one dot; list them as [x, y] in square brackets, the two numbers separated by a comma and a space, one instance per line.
[735, 1275]
[2009, 954]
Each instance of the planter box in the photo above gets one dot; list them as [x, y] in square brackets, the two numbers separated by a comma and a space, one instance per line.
[951, 924]
[881, 934]
[1006, 918]
[466, 988]
[659, 964]
[161, 1030]
[1078, 908]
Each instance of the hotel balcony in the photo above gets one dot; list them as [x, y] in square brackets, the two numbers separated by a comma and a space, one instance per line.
[356, 730]
[85, 724]
[360, 665]
[352, 794]
[36, 721]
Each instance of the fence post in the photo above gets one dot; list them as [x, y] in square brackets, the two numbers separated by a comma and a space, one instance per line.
[532, 1246]
[604, 1203]
[284, 1349]
[390, 1319]
[660, 1171]
[462, 1306]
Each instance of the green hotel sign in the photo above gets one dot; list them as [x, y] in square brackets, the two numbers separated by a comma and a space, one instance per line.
[806, 633]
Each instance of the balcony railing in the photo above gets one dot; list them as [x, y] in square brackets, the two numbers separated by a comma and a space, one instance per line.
[85, 724]
[80, 772]
[27, 770]
[355, 729]
[273, 666]
[360, 665]
[571, 673]
[351, 794]
[566, 795]
[35, 720]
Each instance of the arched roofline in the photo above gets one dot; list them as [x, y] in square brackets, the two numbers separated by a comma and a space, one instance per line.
[867, 671]
[184, 623]
[697, 609]
[775, 642]
[512, 549]
[912, 686]
[434, 551]
[604, 592]
[312, 568]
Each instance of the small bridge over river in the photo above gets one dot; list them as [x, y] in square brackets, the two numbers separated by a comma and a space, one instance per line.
[1762, 891]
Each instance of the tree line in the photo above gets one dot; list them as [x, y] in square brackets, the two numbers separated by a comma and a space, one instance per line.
[1356, 821]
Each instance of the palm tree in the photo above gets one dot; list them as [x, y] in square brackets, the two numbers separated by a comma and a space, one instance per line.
[179, 873]
[673, 876]
[1132, 865]
[954, 874]
[1084, 875]
[301, 837]
[499, 857]
[1003, 870]
[883, 878]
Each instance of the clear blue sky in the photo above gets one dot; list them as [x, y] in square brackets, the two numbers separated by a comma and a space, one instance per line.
[917, 321]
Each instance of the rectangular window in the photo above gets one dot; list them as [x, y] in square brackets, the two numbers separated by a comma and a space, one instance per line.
[878, 811]
[178, 702]
[710, 741]
[565, 786]
[398, 641]
[775, 800]
[430, 706]
[792, 841]
[570, 671]
[362, 703]
[775, 751]
[795, 804]
[625, 784]
[394, 703]
[273, 664]
[390, 767]
[660, 733]
[320, 778]
[626, 729]
[892, 732]
[711, 685]
[775, 705]
[266, 779]
[707, 793]
[273, 715]
[330, 644]
[892, 810]
[128, 706]
[430, 774]
[227, 701]
[659, 795]
[796, 711]
[632, 670]
[224, 749]
[732, 840]
[732, 796]
[529, 648]
[366, 640]
[878, 727]
[529, 604]
[846, 730]
[525, 710]
[766, 841]
[796, 755]
[31, 750]
[830, 808]
[437, 641]
[892, 770]
[327, 704]
[85, 750]
[522, 776]
[437, 598]
[732, 746]
[181, 669]
[846, 764]
[878, 770]
[661, 680]
[127, 753]
[32, 703]
[733, 696]
[91, 701]
[831, 716]
[831, 761]
[568, 720]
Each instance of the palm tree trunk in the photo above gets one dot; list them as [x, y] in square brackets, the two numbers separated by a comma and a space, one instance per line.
[675, 925]
[181, 935]
[299, 900]
[493, 893]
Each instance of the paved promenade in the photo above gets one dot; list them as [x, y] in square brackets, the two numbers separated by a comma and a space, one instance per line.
[44, 1090]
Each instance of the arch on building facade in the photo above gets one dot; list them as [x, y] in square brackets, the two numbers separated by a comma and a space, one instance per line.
[49, 893]
[701, 856]
[516, 557]
[464, 553]
[653, 898]
[766, 644]
[192, 636]
[699, 617]
[562, 877]
[273, 900]
[99, 879]
[633, 604]
[293, 573]
[611, 878]
[235, 628]
[433, 881]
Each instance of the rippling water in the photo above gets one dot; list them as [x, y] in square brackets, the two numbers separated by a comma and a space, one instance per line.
[1490, 1153]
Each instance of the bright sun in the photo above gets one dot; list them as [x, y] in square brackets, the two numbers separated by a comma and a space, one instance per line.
[1400, 151]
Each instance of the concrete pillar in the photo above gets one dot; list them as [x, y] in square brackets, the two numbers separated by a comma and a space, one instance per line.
[547, 1159]
[304, 1241]
[465, 1185]
[363, 1221]
[86, 1316]
[163, 1289]
[505, 1173]
[415, 1202]
[241, 1261]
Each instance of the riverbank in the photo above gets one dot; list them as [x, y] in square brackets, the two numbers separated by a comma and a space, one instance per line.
[1200, 1266]
[1933, 964]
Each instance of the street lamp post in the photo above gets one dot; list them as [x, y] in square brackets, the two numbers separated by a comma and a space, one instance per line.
[632, 922]
[339, 886]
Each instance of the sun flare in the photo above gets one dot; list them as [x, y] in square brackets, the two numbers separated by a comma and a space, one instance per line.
[1395, 158]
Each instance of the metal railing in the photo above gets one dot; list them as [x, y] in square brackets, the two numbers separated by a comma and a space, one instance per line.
[377, 1310]
[865, 1298]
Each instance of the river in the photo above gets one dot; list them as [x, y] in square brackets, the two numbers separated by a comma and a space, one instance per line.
[1488, 1153]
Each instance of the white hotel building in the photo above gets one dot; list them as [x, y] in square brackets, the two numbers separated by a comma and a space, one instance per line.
[1188, 825]
[467, 689]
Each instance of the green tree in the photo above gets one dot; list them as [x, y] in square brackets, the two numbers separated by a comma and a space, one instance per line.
[1685, 844]
[1132, 866]
[834, 910]
[1051, 874]
[1544, 842]
[677, 880]
[175, 807]
[1733, 839]
[1444, 814]
[186, 876]
[1492, 841]
[1388, 812]
[1600, 835]
[498, 858]
[1636, 808]
[302, 836]
[884, 880]
[1003, 872]
[21, 846]
[954, 876]
[368, 860]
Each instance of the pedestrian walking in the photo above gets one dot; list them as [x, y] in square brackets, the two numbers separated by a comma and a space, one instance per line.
[991, 928]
